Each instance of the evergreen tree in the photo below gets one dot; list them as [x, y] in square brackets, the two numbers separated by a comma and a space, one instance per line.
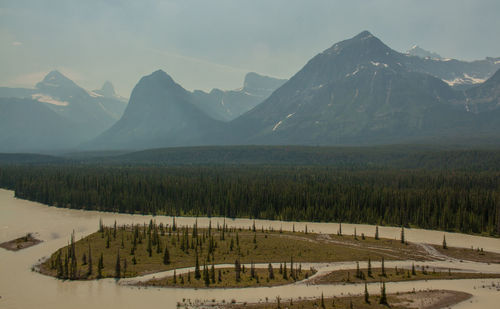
[323, 301]
[367, 296]
[100, 267]
[212, 273]
[117, 266]
[197, 273]
[150, 248]
[206, 276]
[285, 275]
[445, 246]
[237, 270]
[413, 272]
[376, 233]
[166, 256]
[270, 271]
[89, 272]
[383, 268]
[383, 295]
[402, 235]
[369, 271]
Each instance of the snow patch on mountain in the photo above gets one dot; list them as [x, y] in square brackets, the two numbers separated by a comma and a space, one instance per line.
[466, 79]
[277, 125]
[48, 99]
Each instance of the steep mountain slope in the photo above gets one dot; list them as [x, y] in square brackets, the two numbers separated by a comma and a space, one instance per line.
[26, 125]
[484, 97]
[359, 91]
[160, 113]
[228, 105]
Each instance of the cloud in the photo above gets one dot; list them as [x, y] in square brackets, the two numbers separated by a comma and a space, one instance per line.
[17, 43]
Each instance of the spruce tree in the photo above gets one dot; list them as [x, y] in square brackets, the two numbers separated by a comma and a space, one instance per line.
[402, 235]
[367, 296]
[383, 295]
[166, 256]
[323, 301]
[212, 273]
[206, 276]
[413, 272]
[117, 265]
[270, 271]
[376, 233]
[197, 273]
[150, 248]
[369, 271]
[383, 268]
[100, 266]
[445, 246]
[237, 270]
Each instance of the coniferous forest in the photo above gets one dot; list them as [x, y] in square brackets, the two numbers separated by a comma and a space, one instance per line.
[462, 201]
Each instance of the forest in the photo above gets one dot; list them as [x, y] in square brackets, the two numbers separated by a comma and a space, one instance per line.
[449, 200]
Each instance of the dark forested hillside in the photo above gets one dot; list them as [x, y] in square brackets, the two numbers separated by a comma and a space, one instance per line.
[449, 200]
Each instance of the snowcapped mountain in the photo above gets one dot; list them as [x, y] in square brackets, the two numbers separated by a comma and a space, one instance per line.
[359, 91]
[81, 114]
[416, 50]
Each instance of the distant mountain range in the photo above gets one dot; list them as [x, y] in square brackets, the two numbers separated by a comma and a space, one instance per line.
[228, 105]
[56, 114]
[357, 92]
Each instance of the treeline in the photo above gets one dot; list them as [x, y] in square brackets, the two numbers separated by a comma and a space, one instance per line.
[448, 200]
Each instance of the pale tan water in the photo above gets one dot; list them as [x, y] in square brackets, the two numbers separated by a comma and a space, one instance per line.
[22, 288]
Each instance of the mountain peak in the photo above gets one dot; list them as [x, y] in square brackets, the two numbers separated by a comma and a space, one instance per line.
[161, 77]
[55, 79]
[416, 50]
[363, 35]
[257, 82]
[108, 89]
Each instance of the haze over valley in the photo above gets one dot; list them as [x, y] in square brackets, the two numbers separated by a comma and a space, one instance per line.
[249, 154]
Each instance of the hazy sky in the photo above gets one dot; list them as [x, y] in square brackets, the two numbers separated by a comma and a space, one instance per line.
[204, 44]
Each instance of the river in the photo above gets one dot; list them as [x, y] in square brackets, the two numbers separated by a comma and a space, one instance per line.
[22, 288]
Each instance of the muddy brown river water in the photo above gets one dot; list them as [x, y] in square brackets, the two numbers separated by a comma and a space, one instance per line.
[22, 288]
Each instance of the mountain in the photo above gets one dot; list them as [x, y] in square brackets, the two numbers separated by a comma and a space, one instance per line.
[360, 91]
[70, 114]
[27, 126]
[422, 53]
[484, 97]
[228, 105]
[160, 113]
[114, 104]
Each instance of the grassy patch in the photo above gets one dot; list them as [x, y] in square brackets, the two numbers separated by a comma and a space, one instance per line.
[433, 299]
[476, 255]
[141, 249]
[395, 275]
[226, 278]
